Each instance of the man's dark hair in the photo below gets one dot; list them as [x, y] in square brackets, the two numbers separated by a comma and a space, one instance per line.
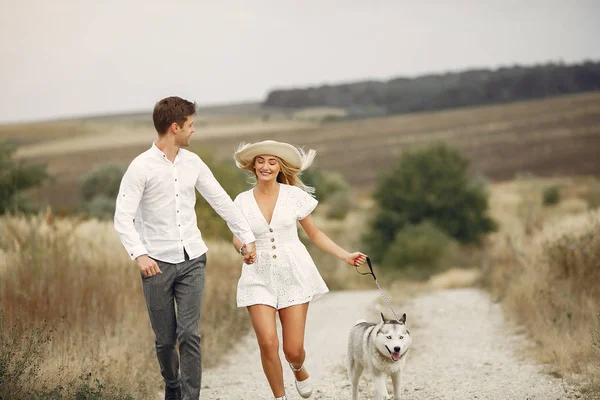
[169, 110]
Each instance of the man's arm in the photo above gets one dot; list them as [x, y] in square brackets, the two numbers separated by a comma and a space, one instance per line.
[128, 201]
[220, 201]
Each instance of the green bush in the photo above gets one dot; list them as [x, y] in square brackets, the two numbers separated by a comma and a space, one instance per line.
[551, 196]
[417, 250]
[16, 176]
[102, 181]
[430, 183]
[101, 207]
[326, 183]
[339, 205]
[99, 189]
[332, 118]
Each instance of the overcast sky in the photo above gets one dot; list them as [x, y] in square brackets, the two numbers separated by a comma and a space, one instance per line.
[75, 57]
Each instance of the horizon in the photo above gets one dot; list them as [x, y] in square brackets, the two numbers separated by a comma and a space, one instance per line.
[236, 102]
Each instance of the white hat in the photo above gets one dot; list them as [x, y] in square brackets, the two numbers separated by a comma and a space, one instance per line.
[291, 154]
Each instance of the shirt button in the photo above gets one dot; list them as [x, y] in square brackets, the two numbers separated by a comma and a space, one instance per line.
[272, 239]
[273, 247]
[270, 229]
[274, 255]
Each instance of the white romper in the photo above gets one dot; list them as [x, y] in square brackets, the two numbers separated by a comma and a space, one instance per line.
[284, 273]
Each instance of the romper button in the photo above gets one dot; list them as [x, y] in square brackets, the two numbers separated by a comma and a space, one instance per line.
[270, 229]
[274, 255]
[272, 239]
[273, 247]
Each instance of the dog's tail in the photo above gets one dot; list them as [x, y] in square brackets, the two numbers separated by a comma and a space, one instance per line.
[359, 321]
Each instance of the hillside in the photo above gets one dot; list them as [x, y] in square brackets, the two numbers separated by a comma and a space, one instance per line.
[555, 136]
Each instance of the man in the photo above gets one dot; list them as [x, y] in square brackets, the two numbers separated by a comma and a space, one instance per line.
[156, 222]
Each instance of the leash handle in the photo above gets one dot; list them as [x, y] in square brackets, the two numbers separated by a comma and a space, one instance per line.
[370, 268]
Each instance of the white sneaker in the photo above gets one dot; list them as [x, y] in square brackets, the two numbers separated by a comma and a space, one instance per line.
[304, 387]
[284, 397]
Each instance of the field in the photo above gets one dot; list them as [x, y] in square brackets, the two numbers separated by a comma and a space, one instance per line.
[554, 136]
[543, 266]
[537, 264]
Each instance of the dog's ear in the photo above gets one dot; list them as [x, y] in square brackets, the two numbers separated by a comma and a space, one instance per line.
[403, 319]
[383, 318]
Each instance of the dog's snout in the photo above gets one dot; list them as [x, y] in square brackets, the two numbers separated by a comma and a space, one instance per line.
[397, 349]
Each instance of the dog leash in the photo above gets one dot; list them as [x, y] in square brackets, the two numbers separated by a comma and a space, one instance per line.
[377, 283]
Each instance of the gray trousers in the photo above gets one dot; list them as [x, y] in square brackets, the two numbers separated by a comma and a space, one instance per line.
[181, 284]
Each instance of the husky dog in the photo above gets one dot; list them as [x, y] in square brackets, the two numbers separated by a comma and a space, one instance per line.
[380, 348]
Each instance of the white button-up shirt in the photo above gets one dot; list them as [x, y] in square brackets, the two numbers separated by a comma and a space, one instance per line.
[155, 207]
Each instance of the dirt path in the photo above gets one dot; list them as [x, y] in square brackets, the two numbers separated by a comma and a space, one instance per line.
[461, 350]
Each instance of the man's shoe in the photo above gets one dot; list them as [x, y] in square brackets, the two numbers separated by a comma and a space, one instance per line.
[172, 393]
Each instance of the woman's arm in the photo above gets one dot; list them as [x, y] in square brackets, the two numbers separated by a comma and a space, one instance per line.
[326, 244]
[248, 256]
[237, 243]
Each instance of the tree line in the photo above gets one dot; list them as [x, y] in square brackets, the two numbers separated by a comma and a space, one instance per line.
[442, 91]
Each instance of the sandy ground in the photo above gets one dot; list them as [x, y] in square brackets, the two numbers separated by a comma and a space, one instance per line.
[462, 349]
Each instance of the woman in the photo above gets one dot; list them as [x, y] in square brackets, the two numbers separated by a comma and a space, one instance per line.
[283, 278]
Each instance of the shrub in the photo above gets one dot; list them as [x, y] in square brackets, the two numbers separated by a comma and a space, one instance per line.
[17, 176]
[326, 183]
[104, 180]
[428, 184]
[101, 207]
[551, 196]
[99, 190]
[417, 250]
[339, 204]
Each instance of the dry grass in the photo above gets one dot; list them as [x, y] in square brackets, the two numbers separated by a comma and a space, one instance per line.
[71, 280]
[71, 276]
[544, 266]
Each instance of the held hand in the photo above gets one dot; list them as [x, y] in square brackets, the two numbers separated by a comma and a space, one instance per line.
[249, 253]
[355, 259]
[148, 266]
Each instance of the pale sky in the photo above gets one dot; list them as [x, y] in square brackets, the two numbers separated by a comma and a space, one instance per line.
[66, 58]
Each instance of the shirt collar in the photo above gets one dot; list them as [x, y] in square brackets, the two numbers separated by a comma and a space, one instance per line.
[162, 156]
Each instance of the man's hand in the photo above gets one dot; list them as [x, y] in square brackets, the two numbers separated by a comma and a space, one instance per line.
[249, 253]
[148, 266]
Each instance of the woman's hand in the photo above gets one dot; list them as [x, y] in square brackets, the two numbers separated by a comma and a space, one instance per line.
[355, 259]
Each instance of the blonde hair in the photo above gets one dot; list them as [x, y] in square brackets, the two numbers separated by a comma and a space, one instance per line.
[288, 174]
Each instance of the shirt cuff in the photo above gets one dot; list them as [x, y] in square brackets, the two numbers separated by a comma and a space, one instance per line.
[247, 237]
[137, 251]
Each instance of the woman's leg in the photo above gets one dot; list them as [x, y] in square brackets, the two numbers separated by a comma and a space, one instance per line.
[293, 322]
[263, 321]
